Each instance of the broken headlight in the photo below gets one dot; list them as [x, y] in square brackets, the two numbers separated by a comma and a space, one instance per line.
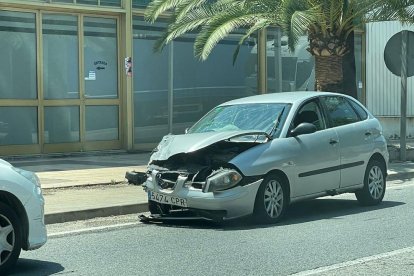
[222, 179]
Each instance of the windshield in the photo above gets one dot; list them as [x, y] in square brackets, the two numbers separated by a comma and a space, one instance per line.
[259, 117]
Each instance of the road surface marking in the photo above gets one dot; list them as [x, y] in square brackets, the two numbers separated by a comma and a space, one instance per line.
[354, 262]
[94, 229]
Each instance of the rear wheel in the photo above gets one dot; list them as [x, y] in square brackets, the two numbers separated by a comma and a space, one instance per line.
[374, 184]
[271, 200]
[10, 238]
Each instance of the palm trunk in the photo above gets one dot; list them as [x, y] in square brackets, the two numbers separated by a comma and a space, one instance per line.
[328, 73]
[349, 69]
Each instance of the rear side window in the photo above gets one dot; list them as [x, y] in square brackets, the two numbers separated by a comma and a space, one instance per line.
[361, 112]
[340, 111]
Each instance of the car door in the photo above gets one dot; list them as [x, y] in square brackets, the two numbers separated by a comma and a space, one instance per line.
[355, 137]
[316, 154]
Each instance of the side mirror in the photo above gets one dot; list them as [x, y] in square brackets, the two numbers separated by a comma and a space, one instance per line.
[303, 128]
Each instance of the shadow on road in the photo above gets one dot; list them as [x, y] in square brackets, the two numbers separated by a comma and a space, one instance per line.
[302, 212]
[35, 267]
[328, 208]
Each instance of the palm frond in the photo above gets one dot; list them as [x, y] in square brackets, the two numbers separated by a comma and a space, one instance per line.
[176, 30]
[291, 13]
[257, 26]
[386, 10]
[184, 10]
[218, 29]
[156, 7]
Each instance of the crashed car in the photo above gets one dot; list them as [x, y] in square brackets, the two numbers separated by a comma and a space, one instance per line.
[256, 155]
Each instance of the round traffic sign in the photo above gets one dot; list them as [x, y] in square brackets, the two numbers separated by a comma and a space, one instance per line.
[392, 54]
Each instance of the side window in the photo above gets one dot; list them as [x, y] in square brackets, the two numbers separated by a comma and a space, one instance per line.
[340, 111]
[309, 113]
[361, 112]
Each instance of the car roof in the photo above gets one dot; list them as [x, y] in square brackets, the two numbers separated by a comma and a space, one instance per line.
[282, 97]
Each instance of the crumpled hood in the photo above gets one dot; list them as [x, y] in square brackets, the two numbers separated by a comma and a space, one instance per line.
[174, 144]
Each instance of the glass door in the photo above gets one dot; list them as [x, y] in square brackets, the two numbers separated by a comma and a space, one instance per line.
[101, 86]
[61, 95]
[80, 83]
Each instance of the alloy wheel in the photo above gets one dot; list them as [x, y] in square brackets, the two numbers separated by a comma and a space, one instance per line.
[7, 239]
[273, 198]
[375, 182]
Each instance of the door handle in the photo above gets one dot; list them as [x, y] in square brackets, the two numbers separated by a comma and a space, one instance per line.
[368, 133]
[333, 141]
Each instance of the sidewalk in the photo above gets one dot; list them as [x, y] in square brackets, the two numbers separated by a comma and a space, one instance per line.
[85, 186]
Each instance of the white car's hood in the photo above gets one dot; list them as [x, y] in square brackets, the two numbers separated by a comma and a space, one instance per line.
[4, 163]
[174, 144]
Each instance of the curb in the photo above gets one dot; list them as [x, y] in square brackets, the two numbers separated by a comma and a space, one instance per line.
[394, 152]
[98, 212]
[400, 176]
[76, 186]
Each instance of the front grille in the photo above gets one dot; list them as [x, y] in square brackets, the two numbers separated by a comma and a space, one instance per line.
[166, 180]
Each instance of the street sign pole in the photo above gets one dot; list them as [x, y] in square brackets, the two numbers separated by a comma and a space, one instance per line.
[399, 59]
[403, 129]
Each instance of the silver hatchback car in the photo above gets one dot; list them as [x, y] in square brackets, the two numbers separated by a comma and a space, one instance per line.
[258, 154]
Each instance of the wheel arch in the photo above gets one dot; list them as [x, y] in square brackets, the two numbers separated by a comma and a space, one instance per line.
[14, 203]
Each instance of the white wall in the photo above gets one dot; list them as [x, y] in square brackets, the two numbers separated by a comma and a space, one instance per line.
[391, 127]
[383, 89]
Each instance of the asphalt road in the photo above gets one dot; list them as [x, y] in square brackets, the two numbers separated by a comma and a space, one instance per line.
[325, 236]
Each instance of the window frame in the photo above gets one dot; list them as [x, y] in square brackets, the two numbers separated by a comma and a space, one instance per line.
[328, 115]
[319, 105]
[353, 104]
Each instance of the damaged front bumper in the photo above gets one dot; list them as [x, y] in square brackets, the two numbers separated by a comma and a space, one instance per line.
[185, 214]
[181, 200]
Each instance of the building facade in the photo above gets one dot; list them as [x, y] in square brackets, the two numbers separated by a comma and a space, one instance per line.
[81, 75]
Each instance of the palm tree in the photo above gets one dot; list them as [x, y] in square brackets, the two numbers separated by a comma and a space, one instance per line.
[329, 25]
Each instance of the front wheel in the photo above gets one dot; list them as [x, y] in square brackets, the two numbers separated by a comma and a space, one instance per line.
[271, 200]
[10, 238]
[374, 184]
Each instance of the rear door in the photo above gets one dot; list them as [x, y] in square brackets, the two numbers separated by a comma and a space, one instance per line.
[355, 137]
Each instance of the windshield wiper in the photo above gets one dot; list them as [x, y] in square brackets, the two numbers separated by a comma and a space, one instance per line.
[275, 125]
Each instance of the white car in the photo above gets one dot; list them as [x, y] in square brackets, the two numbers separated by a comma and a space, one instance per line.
[22, 223]
[258, 154]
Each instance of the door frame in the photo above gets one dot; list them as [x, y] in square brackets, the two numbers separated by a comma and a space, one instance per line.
[82, 102]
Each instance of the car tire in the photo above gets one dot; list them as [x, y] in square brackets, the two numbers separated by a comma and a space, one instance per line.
[374, 184]
[271, 200]
[10, 238]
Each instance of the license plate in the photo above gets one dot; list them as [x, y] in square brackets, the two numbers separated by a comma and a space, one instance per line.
[167, 199]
